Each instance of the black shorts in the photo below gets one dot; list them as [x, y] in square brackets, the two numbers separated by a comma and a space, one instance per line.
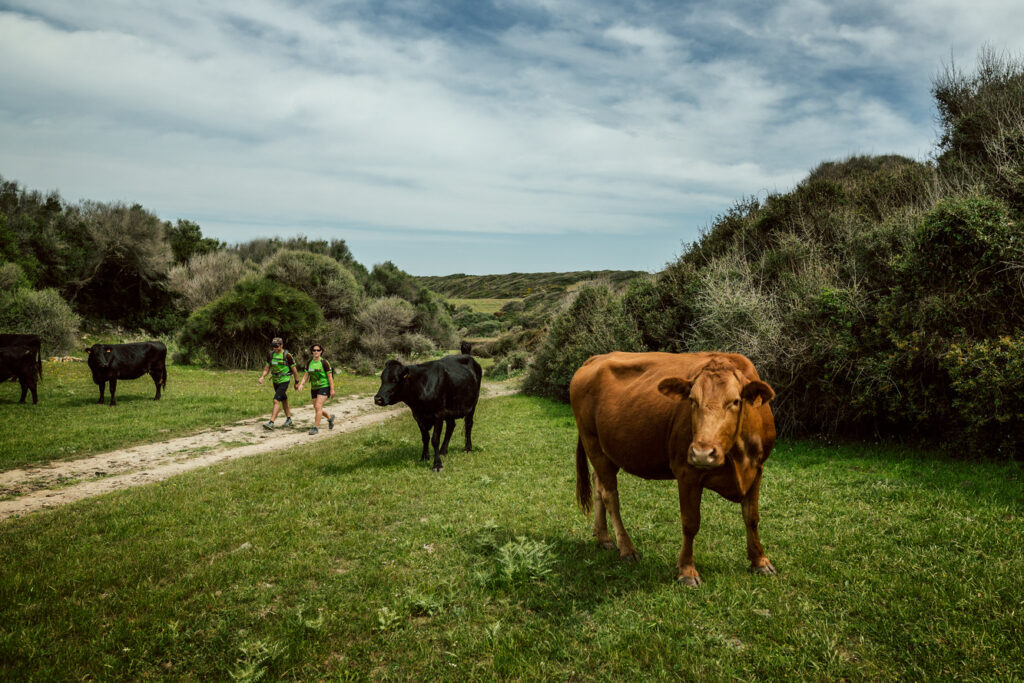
[322, 391]
[281, 391]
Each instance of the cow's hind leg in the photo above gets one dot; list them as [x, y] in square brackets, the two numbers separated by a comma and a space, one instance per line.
[449, 427]
[469, 430]
[24, 390]
[606, 499]
[157, 375]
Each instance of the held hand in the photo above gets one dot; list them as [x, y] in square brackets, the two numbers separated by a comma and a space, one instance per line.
[332, 393]
[260, 381]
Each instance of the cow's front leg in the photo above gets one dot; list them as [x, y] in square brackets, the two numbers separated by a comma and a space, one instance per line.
[759, 563]
[113, 388]
[435, 442]
[689, 512]
[449, 427]
[424, 426]
[103, 385]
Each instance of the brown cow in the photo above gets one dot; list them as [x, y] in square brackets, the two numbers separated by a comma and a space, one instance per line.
[700, 418]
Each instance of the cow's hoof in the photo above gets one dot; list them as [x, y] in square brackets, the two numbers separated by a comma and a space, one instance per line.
[607, 545]
[632, 557]
[437, 468]
[689, 581]
[765, 569]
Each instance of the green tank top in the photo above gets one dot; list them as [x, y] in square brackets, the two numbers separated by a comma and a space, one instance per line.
[280, 366]
[318, 371]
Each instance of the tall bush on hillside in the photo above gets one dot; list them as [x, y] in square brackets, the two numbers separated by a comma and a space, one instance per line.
[594, 322]
[124, 277]
[205, 277]
[329, 284]
[186, 241]
[235, 330]
[981, 116]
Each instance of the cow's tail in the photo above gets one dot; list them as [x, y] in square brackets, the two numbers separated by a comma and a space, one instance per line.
[584, 494]
[39, 363]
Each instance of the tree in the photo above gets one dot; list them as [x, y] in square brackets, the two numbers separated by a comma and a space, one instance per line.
[186, 240]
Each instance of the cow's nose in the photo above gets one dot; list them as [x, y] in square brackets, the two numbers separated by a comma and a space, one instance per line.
[702, 455]
[378, 399]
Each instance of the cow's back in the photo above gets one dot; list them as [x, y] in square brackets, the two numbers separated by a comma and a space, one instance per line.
[616, 401]
[462, 378]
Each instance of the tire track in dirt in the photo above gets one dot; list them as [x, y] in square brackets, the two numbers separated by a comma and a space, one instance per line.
[59, 483]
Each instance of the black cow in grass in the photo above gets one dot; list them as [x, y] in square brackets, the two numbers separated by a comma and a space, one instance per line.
[437, 391]
[111, 362]
[20, 362]
[32, 341]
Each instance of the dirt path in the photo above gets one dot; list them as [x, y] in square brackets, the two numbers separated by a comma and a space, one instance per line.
[58, 483]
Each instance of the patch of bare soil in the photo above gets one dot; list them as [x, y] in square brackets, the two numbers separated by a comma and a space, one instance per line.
[58, 483]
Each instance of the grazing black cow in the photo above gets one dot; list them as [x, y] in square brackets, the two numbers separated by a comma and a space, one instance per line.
[30, 340]
[20, 362]
[111, 362]
[437, 391]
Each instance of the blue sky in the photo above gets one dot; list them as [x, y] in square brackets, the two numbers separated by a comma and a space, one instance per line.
[485, 136]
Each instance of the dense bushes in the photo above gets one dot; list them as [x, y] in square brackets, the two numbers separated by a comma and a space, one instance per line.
[594, 322]
[235, 330]
[882, 296]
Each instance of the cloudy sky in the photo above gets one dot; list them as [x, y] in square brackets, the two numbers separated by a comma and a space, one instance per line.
[476, 136]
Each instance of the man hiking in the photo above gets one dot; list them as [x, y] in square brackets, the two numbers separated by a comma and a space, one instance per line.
[280, 365]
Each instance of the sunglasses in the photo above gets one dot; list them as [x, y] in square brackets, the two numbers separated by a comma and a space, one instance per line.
[320, 350]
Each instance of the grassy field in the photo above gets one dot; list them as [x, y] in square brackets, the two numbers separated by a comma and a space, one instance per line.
[349, 560]
[491, 306]
[69, 423]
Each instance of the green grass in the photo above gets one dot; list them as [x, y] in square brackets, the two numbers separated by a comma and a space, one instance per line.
[491, 306]
[69, 423]
[347, 559]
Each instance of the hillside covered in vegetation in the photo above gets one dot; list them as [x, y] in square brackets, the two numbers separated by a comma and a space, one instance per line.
[882, 296]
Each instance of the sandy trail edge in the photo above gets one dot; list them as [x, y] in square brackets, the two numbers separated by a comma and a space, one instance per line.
[35, 487]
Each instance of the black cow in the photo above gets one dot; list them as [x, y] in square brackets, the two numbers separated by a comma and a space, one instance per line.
[20, 362]
[437, 391]
[30, 340]
[111, 362]
[466, 348]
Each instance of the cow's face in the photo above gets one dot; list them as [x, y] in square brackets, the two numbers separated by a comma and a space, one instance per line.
[99, 356]
[717, 398]
[391, 381]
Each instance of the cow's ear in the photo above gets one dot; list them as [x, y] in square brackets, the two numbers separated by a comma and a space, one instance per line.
[757, 392]
[405, 374]
[676, 388]
[89, 350]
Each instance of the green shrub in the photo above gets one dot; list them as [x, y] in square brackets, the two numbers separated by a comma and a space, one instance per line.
[987, 378]
[594, 322]
[330, 285]
[509, 365]
[42, 312]
[236, 329]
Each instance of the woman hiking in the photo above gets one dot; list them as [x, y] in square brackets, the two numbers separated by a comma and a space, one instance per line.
[321, 384]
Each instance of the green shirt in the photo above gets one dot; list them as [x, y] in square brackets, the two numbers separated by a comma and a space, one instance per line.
[281, 364]
[318, 371]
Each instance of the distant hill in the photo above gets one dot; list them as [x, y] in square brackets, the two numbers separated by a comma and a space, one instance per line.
[518, 285]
